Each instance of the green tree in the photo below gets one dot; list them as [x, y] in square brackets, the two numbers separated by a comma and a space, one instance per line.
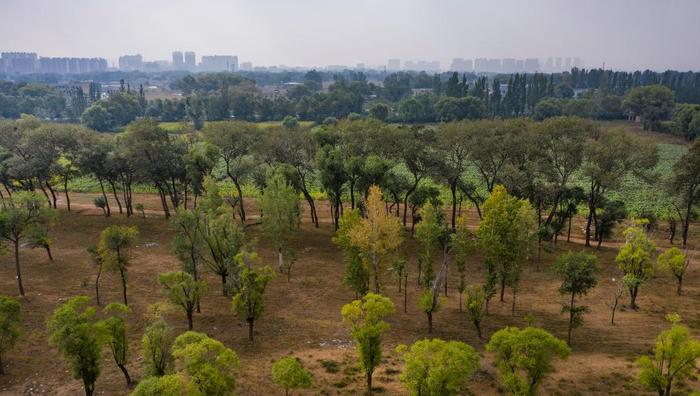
[428, 233]
[505, 234]
[356, 273]
[430, 302]
[167, 385]
[114, 245]
[188, 241]
[675, 357]
[577, 271]
[280, 208]
[676, 262]
[207, 363]
[524, 357]
[380, 111]
[114, 328]
[366, 320]
[685, 185]
[9, 325]
[155, 348]
[651, 103]
[438, 368]
[184, 291]
[635, 261]
[547, 108]
[290, 374]
[20, 217]
[463, 244]
[72, 329]
[476, 306]
[249, 301]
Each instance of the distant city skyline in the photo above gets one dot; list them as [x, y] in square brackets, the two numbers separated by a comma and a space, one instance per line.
[622, 34]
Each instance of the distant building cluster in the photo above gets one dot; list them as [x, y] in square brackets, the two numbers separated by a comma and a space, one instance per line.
[29, 62]
[494, 65]
[182, 61]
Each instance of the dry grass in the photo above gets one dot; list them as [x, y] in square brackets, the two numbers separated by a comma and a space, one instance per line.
[302, 317]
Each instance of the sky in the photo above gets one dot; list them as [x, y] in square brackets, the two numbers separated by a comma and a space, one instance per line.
[622, 34]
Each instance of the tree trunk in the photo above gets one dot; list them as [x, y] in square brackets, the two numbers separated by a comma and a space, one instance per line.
[250, 329]
[127, 377]
[89, 388]
[633, 297]
[48, 252]
[223, 283]
[53, 194]
[405, 293]
[97, 285]
[369, 383]
[512, 306]
[189, 320]
[568, 235]
[123, 276]
[241, 209]
[679, 290]
[116, 196]
[571, 320]
[280, 260]
[477, 324]
[65, 190]
[430, 322]
[17, 268]
[104, 196]
[503, 288]
[453, 190]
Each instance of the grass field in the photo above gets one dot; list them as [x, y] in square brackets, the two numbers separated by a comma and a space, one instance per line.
[302, 317]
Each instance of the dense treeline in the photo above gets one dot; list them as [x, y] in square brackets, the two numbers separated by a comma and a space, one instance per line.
[404, 97]
[559, 164]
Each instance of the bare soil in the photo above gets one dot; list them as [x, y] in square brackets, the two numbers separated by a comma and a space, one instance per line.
[302, 316]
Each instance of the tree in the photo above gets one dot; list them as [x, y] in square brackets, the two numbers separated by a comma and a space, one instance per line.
[72, 329]
[156, 343]
[429, 302]
[437, 367]
[366, 320]
[651, 103]
[635, 261]
[207, 363]
[280, 208]
[547, 108]
[505, 234]
[114, 245]
[380, 111]
[577, 271]
[290, 374]
[356, 273]
[476, 306]
[676, 262]
[463, 244]
[428, 233]
[524, 357]
[20, 216]
[333, 175]
[183, 290]
[167, 385]
[378, 236]
[114, 328]
[9, 325]
[608, 157]
[188, 242]
[685, 185]
[249, 301]
[675, 357]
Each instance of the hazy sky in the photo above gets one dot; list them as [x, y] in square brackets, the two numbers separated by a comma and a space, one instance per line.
[625, 34]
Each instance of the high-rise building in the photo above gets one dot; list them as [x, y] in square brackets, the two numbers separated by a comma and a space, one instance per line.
[394, 65]
[494, 66]
[567, 63]
[481, 65]
[131, 62]
[578, 62]
[178, 60]
[219, 63]
[508, 65]
[190, 60]
[20, 62]
[246, 66]
[557, 64]
[549, 65]
[71, 65]
[461, 65]
[532, 65]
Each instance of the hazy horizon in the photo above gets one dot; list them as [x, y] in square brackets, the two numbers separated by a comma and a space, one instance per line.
[626, 35]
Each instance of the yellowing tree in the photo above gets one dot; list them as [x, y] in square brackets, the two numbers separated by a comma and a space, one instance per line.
[378, 236]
